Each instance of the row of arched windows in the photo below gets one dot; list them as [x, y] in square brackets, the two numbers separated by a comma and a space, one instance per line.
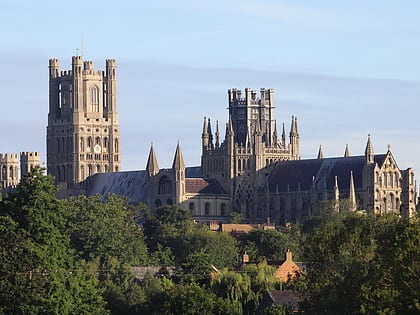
[217, 164]
[242, 165]
[7, 173]
[208, 209]
[388, 179]
[64, 145]
[91, 142]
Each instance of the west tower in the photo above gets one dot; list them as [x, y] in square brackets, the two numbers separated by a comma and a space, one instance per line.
[83, 136]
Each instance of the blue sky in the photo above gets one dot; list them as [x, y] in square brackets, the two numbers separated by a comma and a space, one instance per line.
[344, 68]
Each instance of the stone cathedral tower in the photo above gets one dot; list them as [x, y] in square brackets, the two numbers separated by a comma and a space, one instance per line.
[83, 133]
[251, 145]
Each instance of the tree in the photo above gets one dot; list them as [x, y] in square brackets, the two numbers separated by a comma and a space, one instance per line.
[106, 228]
[39, 274]
[363, 264]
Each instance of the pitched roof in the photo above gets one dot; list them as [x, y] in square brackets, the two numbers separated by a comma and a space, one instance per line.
[289, 175]
[203, 186]
[287, 297]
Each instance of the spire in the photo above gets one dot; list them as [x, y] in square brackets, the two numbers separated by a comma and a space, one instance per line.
[320, 153]
[217, 134]
[352, 195]
[152, 166]
[210, 134]
[369, 154]
[283, 137]
[230, 125]
[293, 130]
[205, 135]
[178, 159]
[275, 135]
[347, 151]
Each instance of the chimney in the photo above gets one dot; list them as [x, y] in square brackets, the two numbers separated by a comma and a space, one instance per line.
[288, 255]
[245, 258]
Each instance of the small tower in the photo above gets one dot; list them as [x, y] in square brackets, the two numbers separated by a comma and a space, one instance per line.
[28, 160]
[178, 167]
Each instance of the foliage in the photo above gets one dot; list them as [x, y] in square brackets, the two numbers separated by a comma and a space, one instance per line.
[105, 228]
[271, 244]
[39, 274]
[235, 217]
[363, 264]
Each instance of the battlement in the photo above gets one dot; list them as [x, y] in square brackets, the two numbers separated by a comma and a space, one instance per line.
[9, 157]
[111, 63]
[27, 156]
[250, 97]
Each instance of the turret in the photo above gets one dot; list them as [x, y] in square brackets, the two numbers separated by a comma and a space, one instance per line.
[205, 136]
[28, 161]
[152, 166]
[178, 167]
[217, 135]
[111, 88]
[294, 139]
[369, 154]
[347, 151]
[211, 145]
[320, 153]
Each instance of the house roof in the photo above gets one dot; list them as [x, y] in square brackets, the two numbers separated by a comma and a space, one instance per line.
[287, 297]
[292, 175]
[203, 186]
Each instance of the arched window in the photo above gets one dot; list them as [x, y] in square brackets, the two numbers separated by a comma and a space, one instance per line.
[116, 146]
[11, 172]
[206, 208]
[82, 172]
[58, 145]
[106, 143]
[116, 168]
[165, 186]
[191, 206]
[63, 172]
[94, 98]
[82, 144]
[89, 142]
[106, 168]
[98, 168]
[222, 209]
[58, 173]
[3, 173]
[90, 169]
[97, 140]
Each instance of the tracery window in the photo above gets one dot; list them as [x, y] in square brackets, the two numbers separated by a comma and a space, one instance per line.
[94, 98]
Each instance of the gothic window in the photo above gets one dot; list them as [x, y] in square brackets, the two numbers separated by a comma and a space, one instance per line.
[82, 172]
[206, 208]
[58, 145]
[98, 168]
[58, 173]
[116, 146]
[82, 144]
[90, 169]
[165, 186]
[94, 98]
[191, 206]
[97, 140]
[3, 174]
[106, 168]
[63, 173]
[106, 143]
[11, 173]
[223, 209]
[89, 142]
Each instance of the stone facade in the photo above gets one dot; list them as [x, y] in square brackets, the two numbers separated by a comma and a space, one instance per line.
[9, 168]
[83, 135]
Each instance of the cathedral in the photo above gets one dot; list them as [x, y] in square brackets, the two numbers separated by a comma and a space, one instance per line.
[250, 167]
